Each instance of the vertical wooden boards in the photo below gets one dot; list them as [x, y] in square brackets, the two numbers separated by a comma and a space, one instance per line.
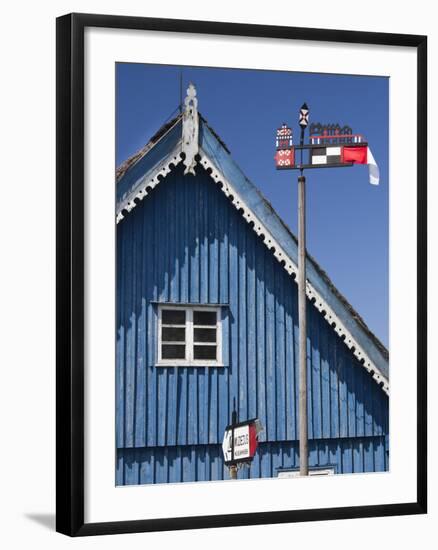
[120, 345]
[251, 327]
[173, 464]
[280, 361]
[233, 289]
[130, 329]
[260, 342]
[141, 359]
[290, 361]
[315, 378]
[242, 307]
[270, 368]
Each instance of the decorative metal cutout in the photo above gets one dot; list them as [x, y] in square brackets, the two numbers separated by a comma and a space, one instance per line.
[329, 134]
[284, 158]
[316, 128]
[284, 138]
[304, 116]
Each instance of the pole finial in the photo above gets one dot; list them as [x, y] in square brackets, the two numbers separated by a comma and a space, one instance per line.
[304, 116]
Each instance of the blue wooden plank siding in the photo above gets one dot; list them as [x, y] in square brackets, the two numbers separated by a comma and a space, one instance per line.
[186, 243]
[177, 463]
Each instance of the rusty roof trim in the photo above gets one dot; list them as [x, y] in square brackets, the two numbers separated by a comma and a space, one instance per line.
[205, 121]
[133, 159]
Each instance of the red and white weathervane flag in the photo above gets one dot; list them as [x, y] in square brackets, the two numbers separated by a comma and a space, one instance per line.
[330, 146]
[362, 155]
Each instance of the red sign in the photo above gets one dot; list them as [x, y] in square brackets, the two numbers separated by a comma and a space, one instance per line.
[284, 158]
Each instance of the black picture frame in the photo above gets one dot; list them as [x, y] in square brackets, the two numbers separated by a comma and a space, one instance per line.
[70, 273]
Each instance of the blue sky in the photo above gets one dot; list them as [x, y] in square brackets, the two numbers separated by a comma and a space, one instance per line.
[347, 218]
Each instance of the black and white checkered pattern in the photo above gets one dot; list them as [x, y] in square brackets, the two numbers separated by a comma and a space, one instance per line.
[326, 155]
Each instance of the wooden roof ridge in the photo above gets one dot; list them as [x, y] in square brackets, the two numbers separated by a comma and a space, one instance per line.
[127, 164]
[161, 132]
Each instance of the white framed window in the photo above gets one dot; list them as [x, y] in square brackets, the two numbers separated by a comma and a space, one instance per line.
[189, 335]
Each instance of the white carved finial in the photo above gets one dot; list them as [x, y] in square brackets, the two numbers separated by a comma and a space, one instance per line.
[190, 130]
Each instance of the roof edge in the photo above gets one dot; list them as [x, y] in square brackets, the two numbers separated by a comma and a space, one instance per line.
[131, 161]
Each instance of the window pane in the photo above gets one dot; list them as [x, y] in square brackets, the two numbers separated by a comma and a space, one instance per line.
[204, 317]
[173, 352]
[173, 317]
[173, 334]
[205, 334]
[205, 352]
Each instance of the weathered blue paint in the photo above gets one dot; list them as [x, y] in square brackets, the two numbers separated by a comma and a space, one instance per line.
[186, 243]
[173, 464]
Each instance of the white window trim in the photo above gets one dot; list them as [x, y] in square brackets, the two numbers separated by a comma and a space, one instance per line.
[287, 474]
[189, 361]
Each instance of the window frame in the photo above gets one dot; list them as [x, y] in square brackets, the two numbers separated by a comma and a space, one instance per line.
[189, 342]
[318, 471]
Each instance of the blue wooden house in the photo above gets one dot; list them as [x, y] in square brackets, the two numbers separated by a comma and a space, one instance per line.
[207, 314]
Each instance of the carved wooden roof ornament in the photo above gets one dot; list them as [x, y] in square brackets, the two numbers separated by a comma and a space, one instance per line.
[190, 130]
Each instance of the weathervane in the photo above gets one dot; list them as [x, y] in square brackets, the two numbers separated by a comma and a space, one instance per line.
[330, 146]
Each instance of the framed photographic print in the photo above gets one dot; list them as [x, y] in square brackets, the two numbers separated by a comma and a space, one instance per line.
[241, 332]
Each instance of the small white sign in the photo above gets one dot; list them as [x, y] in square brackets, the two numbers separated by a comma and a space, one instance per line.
[241, 442]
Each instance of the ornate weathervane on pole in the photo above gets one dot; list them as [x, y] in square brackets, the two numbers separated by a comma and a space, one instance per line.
[330, 147]
[302, 321]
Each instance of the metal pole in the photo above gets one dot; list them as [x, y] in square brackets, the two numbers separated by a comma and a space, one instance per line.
[304, 454]
[233, 472]
[233, 467]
